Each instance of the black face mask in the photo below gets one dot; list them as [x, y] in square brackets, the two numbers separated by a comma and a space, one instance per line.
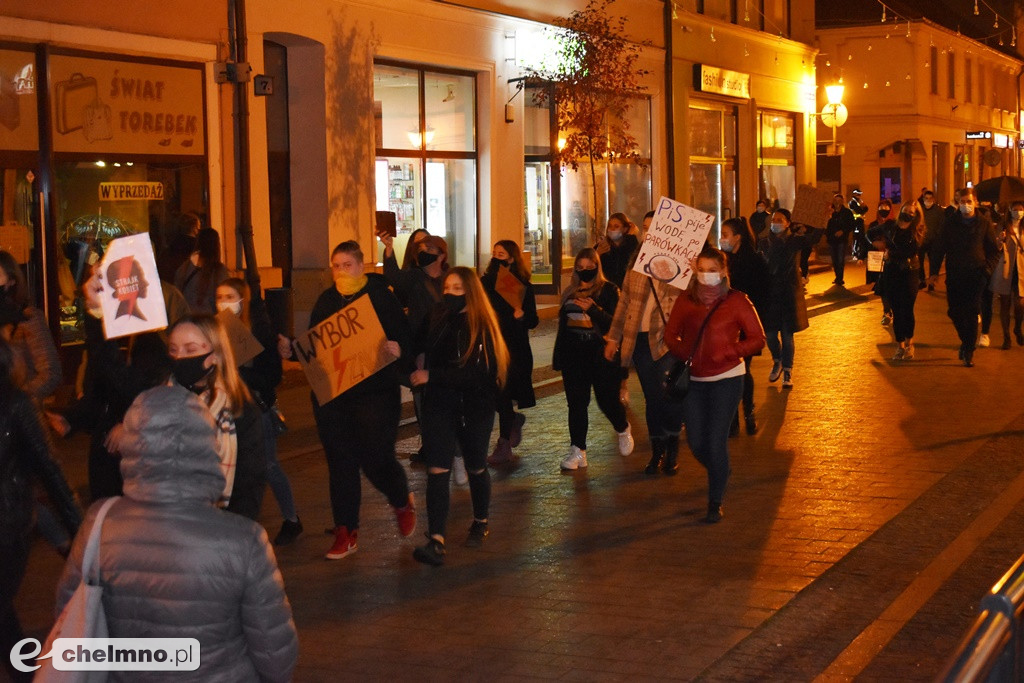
[425, 258]
[455, 302]
[906, 217]
[189, 371]
[497, 263]
[883, 213]
[586, 274]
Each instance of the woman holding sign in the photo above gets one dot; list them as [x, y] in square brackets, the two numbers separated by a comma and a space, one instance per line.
[507, 283]
[358, 427]
[464, 364]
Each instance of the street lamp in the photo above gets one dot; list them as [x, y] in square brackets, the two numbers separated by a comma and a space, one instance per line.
[834, 114]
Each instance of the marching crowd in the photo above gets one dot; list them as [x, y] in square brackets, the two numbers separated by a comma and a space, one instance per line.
[184, 436]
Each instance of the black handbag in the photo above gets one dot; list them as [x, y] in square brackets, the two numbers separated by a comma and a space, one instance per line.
[677, 378]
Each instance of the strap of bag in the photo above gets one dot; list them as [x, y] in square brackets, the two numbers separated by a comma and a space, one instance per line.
[90, 561]
[700, 333]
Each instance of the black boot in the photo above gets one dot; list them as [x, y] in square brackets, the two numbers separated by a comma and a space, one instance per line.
[714, 515]
[657, 451]
[751, 423]
[670, 466]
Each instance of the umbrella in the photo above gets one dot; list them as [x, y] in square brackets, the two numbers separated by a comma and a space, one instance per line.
[1000, 190]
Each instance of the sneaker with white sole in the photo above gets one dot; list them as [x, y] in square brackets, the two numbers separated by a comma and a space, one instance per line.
[625, 441]
[576, 460]
[900, 354]
[776, 372]
[983, 340]
[459, 473]
[908, 353]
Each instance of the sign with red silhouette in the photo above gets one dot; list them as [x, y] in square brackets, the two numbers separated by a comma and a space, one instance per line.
[343, 350]
[676, 236]
[132, 300]
[510, 288]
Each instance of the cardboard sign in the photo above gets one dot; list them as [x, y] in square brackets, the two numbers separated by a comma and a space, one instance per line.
[343, 350]
[875, 261]
[131, 298]
[14, 239]
[676, 236]
[509, 287]
[813, 207]
[243, 344]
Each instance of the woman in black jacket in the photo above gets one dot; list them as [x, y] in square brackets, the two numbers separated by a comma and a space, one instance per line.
[748, 273]
[24, 456]
[462, 369]
[358, 427]
[588, 305]
[785, 311]
[507, 283]
[617, 249]
[900, 275]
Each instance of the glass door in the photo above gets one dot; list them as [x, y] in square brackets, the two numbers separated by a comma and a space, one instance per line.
[538, 230]
[713, 161]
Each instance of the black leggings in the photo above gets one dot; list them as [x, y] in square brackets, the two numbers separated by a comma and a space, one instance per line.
[605, 378]
[359, 433]
[12, 570]
[902, 290]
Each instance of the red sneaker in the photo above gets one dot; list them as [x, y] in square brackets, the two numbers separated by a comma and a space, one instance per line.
[345, 543]
[406, 517]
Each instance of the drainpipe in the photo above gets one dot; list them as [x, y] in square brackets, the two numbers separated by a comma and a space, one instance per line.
[670, 119]
[238, 70]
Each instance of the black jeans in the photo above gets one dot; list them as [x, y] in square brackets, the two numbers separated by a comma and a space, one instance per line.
[359, 433]
[12, 571]
[987, 298]
[838, 250]
[709, 408]
[605, 378]
[748, 388]
[902, 294]
[963, 298]
[813, 237]
[664, 416]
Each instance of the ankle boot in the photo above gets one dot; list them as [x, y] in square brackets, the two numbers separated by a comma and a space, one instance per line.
[670, 466]
[657, 451]
[751, 423]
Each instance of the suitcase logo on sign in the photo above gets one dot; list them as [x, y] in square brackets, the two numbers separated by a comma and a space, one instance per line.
[73, 97]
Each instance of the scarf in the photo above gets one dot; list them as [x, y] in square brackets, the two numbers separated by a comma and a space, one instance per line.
[348, 285]
[709, 294]
[227, 439]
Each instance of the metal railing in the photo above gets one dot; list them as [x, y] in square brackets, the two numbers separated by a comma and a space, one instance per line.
[993, 649]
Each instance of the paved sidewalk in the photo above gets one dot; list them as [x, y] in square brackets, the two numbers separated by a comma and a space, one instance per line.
[862, 524]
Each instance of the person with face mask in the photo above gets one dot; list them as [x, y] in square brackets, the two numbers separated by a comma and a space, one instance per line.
[837, 233]
[748, 273]
[900, 276]
[358, 428]
[860, 210]
[261, 375]
[967, 242]
[1005, 282]
[516, 308]
[587, 307]
[462, 365]
[717, 327]
[785, 313]
[760, 219]
[932, 217]
[617, 249]
[885, 222]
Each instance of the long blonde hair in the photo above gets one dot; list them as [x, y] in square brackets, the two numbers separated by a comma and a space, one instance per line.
[483, 323]
[575, 284]
[225, 371]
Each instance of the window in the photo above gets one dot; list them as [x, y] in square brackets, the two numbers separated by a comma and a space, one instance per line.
[951, 73]
[713, 159]
[777, 158]
[934, 62]
[968, 80]
[762, 15]
[982, 96]
[426, 154]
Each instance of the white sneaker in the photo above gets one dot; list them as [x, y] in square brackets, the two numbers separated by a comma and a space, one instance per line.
[459, 472]
[576, 460]
[625, 441]
[983, 340]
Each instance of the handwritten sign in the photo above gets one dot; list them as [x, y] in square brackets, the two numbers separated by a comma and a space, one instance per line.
[676, 236]
[343, 350]
[875, 261]
[131, 298]
[509, 287]
[813, 207]
[244, 345]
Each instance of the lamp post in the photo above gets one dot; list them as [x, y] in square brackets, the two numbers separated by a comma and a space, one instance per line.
[834, 114]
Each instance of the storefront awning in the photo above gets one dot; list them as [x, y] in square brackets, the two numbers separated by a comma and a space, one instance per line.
[900, 147]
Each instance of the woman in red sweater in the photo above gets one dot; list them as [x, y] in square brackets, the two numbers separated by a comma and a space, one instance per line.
[733, 332]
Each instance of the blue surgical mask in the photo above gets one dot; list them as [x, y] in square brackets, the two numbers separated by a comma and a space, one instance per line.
[778, 227]
[709, 279]
[614, 235]
[726, 247]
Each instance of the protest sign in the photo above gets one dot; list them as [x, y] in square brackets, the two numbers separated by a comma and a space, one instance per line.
[875, 261]
[813, 207]
[676, 236]
[244, 345]
[132, 300]
[510, 288]
[343, 350]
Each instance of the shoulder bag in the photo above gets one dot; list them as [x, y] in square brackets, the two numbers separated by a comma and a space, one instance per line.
[677, 378]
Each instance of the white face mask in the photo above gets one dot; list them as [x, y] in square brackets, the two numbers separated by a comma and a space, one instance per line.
[966, 209]
[710, 279]
[725, 246]
[928, 204]
[778, 227]
[614, 235]
[233, 306]
[1017, 214]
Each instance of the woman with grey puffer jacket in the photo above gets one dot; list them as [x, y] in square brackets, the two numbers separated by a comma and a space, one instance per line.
[172, 565]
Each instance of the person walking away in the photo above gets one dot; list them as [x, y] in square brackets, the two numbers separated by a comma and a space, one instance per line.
[786, 309]
[731, 332]
[262, 375]
[748, 273]
[358, 428]
[507, 283]
[25, 457]
[174, 566]
[198, 277]
[967, 242]
[585, 316]
[932, 218]
[900, 275]
[837, 233]
[1005, 282]
[463, 366]
[618, 247]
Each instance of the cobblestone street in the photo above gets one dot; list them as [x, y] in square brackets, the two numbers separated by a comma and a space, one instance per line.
[877, 503]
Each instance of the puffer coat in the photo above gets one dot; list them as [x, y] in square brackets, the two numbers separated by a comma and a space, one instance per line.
[172, 565]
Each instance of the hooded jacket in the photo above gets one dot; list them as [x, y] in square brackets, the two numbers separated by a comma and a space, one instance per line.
[172, 565]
